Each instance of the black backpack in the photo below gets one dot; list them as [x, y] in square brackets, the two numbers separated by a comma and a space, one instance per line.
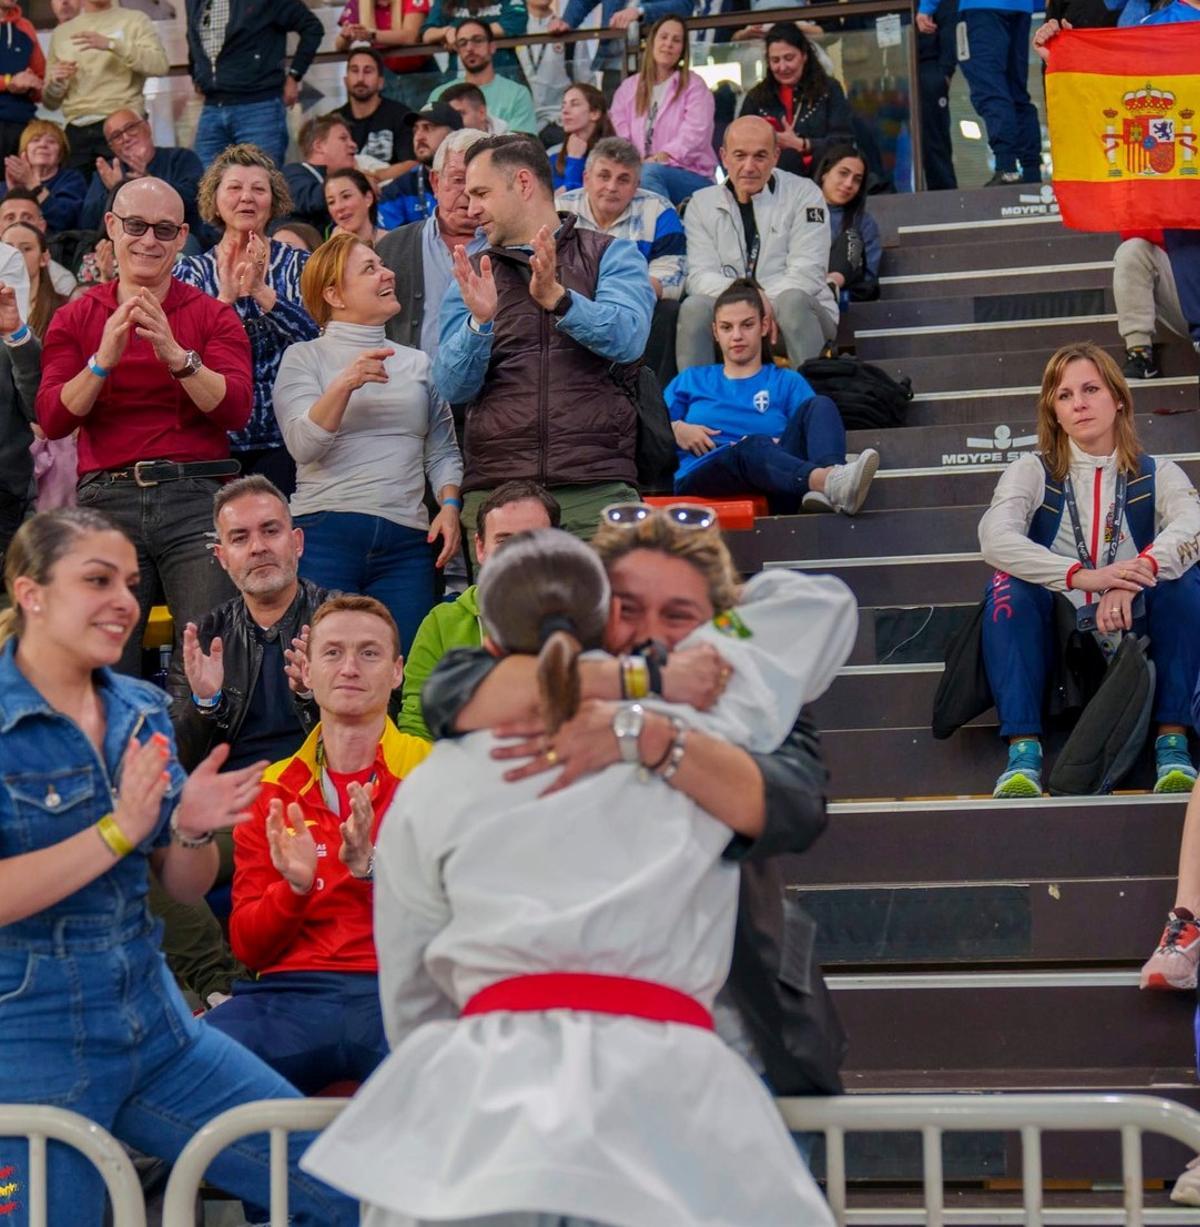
[657, 458]
[867, 397]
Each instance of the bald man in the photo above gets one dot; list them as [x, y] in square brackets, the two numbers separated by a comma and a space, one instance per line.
[769, 226]
[153, 374]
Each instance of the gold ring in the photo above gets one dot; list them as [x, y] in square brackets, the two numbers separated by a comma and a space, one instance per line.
[551, 756]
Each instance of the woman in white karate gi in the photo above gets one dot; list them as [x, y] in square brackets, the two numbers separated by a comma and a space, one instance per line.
[582, 937]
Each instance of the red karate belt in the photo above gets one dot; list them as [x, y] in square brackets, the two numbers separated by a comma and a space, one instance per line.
[594, 994]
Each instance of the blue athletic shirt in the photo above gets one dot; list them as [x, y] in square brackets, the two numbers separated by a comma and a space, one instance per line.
[760, 405]
[1173, 14]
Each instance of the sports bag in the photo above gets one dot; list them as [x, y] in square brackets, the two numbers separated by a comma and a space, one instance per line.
[867, 397]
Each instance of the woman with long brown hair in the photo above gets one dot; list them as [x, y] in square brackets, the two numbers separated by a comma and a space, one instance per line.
[1096, 518]
[584, 119]
[666, 112]
[577, 948]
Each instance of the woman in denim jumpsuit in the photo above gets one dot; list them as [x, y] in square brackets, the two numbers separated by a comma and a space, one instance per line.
[91, 795]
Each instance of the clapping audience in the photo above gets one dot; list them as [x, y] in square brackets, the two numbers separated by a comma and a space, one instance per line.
[40, 167]
[585, 121]
[352, 205]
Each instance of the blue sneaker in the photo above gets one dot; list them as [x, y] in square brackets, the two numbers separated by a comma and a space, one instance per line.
[1173, 764]
[1023, 775]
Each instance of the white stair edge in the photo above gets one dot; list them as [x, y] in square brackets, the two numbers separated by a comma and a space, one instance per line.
[1136, 385]
[874, 560]
[975, 980]
[972, 803]
[986, 1217]
[1055, 321]
[968, 274]
[991, 466]
[985, 223]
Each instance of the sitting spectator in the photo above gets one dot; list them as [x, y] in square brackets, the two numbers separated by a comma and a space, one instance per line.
[544, 66]
[585, 120]
[248, 40]
[40, 168]
[515, 507]
[24, 68]
[299, 235]
[240, 194]
[616, 15]
[408, 199]
[131, 138]
[392, 29]
[800, 100]
[303, 863]
[44, 298]
[20, 373]
[767, 225]
[469, 101]
[501, 19]
[352, 206]
[533, 357]
[612, 202]
[377, 124]
[1146, 299]
[20, 205]
[420, 254]
[666, 112]
[856, 249]
[364, 452]
[473, 40]
[325, 145]
[1088, 444]
[98, 63]
[751, 427]
[153, 374]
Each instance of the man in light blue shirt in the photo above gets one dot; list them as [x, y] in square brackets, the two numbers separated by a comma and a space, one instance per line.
[537, 338]
[507, 100]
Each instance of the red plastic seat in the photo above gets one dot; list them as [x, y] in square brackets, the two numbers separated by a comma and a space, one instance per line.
[733, 514]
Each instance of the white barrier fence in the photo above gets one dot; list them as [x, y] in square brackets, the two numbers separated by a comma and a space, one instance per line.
[41, 1125]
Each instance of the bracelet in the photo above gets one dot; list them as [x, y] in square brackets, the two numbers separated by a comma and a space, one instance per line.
[207, 704]
[456, 503]
[186, 841]
[654, 672]
[678, 749]
[635, 677]
[93, 365]
[677, 726]
[114, 838]
[370, 874]
[18, 337]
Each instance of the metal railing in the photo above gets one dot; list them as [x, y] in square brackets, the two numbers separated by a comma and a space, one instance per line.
[1027, 1115]
[40, 1125]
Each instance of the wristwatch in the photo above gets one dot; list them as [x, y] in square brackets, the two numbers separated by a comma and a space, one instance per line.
[563, 305]
[627, 725]
[192, 362]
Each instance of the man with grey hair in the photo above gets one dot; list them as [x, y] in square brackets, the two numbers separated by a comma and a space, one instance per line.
[612, 202]
[421, 254]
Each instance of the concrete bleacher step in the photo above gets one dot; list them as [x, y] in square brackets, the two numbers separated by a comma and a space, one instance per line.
[1081, 275]
[978, 251]
[979, 403]
[885, 314]
[968, 340]
[1020, 209]
[882, 697]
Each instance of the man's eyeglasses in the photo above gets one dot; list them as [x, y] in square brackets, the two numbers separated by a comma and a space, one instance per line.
[478, 41]
[686, 515]
[135, 227]
[122, 134]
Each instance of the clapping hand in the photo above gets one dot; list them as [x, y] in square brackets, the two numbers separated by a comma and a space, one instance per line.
[293, 663]
[293, 850]
[19, 173]
[115, 336]
[10, 315]
[144, 782]
[205, 673]
[478, 288]
[111, 173]
[544, 286]
[22, 82]
[213, 799]
[356, 849]
[151, 324]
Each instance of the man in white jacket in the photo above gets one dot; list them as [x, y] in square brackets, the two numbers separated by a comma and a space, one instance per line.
[767, 225]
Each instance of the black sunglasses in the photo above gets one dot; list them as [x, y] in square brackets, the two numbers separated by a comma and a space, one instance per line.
[135, 227]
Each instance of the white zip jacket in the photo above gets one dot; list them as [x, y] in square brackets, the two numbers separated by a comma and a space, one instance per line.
[794, 238]
[1004, 529]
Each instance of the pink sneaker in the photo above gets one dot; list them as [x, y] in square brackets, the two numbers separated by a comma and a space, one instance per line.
[1173, 964]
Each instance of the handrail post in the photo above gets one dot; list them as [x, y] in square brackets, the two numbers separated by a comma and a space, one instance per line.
[1131, 1173]
[835, 1173]
[1031, 1174]
[931, 1169]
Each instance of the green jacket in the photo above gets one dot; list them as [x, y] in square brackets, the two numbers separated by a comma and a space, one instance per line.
[449, 625]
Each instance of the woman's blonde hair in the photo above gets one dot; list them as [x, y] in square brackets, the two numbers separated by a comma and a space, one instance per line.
[40, 127]
[1053, 441]
[546, 593]
[326, 268]
[248, 156]
[35, 550]
[702, 548]
[646, 82]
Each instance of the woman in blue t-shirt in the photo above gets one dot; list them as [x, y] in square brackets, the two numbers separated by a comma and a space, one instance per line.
[748, 426]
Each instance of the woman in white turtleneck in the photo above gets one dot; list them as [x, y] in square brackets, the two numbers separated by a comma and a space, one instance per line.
[366, 426]
[1131, 562]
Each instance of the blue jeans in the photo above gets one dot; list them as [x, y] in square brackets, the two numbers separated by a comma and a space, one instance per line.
[246, 123]
[1183, 250]
[673, 182]
[314, 1028]
[91, 1020]
[349, 552]
[997, 73]
[1019, 643]
[815, 438]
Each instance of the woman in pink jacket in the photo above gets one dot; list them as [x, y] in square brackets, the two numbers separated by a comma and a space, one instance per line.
[667, 112]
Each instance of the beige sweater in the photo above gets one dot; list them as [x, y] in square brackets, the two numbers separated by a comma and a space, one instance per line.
[105, 81]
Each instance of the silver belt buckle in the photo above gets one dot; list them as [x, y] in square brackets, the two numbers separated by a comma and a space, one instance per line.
[138, 480]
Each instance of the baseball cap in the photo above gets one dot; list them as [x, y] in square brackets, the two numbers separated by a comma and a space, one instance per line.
[440, 113]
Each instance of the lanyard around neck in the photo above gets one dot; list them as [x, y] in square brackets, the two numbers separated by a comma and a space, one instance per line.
[1081, 547]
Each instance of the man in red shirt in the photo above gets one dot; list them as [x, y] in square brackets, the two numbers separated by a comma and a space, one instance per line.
[302, 898]
[153, 374]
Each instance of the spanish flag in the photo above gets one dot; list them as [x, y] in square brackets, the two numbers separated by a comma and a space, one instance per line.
[1123, 107]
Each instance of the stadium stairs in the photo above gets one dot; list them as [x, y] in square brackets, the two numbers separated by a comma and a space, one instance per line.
[973, 945]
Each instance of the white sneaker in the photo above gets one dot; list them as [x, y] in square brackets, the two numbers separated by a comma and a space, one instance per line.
[814, 500]
[847, 484]
[1187, 1188]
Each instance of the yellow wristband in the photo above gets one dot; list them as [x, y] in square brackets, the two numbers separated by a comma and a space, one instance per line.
[113, 836]
[637, 677]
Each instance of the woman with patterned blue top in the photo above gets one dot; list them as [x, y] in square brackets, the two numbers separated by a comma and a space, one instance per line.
[242, 192]
[92, 797]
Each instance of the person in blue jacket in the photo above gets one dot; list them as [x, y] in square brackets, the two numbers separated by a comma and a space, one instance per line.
[92, 798]
[994, 54]
[857, 247]
[747, 426]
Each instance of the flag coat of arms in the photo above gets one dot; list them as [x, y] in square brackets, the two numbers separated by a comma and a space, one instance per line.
[1122, 107]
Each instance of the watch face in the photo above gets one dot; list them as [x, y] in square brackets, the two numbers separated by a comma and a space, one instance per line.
[628, 721]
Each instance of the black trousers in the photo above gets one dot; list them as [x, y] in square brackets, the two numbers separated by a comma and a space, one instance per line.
[87, 144]
[936, 152]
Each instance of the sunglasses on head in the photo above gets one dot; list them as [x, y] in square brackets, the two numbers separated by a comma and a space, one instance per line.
[135, 227]
[686, 515]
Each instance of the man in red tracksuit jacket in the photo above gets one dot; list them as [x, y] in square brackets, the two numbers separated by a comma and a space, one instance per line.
[302, 894]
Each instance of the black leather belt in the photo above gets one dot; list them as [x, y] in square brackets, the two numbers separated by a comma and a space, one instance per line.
[147, 473]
